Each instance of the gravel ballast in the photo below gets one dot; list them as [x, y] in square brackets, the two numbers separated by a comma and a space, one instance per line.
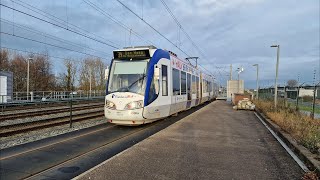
[31, 136]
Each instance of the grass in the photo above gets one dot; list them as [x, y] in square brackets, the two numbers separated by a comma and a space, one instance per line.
[303, 128]
[309, 109]
[306, 108]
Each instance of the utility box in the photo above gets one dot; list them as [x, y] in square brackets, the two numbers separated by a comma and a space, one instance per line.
[6, 86]
[234, 86]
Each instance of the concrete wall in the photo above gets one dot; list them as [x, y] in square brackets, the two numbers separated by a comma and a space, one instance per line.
[234, 86]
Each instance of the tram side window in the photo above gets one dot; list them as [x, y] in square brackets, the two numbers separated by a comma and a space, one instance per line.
[197, 86]
[204, 82]
[183, 82]
[154, 90]
[176, 81]
[189, 86]
[164, 80]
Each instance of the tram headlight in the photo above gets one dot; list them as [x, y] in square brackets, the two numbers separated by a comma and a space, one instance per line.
[134, 105]
[110, 105]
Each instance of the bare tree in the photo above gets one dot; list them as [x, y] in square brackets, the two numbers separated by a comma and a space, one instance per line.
[66, 80]
[41, 78]
[92, 70]
[101, 66]
[61, 82]
[71, 74]
[18, 66]
[4, 60]
[292, 83]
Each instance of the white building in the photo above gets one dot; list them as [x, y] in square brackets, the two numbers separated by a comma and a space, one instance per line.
[306, 92]
[6, 86]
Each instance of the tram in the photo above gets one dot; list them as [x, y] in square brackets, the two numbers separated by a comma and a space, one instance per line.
[145, 84]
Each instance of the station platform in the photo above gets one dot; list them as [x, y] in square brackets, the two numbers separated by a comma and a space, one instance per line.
[215, 142]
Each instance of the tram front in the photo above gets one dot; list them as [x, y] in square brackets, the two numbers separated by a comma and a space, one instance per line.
[126, 86]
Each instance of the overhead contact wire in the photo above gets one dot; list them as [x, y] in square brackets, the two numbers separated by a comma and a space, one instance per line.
[84, 35]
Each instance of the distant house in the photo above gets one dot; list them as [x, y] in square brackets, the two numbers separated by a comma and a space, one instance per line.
[306, 92]
[292, 91]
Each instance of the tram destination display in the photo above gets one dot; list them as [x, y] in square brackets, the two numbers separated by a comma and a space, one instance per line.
[136, 54]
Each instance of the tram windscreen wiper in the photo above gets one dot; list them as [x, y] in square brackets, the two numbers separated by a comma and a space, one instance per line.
[141, 78]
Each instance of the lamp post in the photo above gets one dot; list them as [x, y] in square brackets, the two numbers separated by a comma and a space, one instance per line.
[28, 77]
[257, 65]
[275, 83]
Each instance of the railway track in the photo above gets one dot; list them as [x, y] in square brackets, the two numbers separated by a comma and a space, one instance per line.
[9, 130]
[75, 155]
[25, 114]
[37, 105]
[68, 156]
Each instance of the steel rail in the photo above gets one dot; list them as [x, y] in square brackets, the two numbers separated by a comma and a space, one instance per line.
[14, 129]
[45, 112]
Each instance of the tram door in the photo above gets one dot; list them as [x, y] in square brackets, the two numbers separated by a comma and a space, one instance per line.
[197, 90]
[164, 88]
[201, 83]
[164, 80]
[209, 89]
[189, 93]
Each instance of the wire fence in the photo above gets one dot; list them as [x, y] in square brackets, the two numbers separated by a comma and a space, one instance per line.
[50, 108]
[304, 99]
[49, 96]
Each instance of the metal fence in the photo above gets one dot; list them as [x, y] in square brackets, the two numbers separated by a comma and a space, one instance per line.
[55, 95]
[304, 99]
[63, 107]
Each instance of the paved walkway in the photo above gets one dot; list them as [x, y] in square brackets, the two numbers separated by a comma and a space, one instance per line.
[215, 142]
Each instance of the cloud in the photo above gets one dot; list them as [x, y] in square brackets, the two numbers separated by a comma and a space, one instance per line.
[237, 32]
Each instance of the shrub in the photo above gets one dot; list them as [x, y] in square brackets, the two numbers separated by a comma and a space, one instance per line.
[303, 128]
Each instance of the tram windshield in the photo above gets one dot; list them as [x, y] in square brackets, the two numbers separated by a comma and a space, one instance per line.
[128, 76]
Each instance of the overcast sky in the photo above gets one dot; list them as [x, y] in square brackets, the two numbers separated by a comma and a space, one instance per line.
[237, 32]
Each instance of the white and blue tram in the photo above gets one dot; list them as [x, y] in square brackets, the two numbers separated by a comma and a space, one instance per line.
[146, 84]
